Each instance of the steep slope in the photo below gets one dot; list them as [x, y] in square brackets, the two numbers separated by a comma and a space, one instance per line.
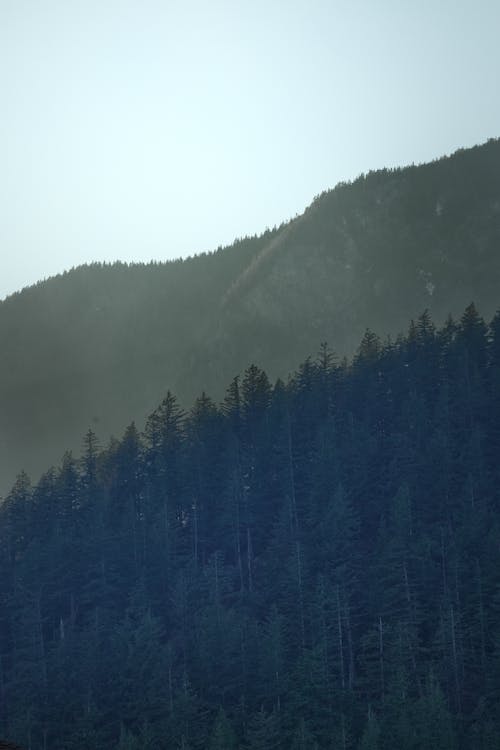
[371, 253]
[101, 344]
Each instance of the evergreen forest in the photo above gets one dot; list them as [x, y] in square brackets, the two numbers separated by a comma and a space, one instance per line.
[306, 565]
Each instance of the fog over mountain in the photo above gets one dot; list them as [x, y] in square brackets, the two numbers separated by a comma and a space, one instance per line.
[156, 130]
[100, 345]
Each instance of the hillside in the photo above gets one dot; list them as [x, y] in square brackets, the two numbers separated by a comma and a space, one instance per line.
[100, 345]
[311, 566]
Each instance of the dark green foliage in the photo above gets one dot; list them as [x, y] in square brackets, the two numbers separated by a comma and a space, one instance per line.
[310, 566]
[263, 732]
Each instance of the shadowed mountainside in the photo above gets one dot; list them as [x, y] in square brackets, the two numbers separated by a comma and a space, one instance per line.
[101, 344]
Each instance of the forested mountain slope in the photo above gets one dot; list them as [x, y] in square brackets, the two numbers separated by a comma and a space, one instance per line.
[101, 344]
[312, 566]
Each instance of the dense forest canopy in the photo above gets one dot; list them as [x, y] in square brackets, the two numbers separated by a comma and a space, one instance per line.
[309, 564]
[101, 344]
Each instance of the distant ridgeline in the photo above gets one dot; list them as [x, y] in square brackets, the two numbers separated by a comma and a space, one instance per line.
[102, 344]
[310, 565]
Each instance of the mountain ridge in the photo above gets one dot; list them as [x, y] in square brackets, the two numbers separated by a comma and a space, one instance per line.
[100, 344]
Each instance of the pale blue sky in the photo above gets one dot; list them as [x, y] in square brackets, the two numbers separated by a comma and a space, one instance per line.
[139, 130]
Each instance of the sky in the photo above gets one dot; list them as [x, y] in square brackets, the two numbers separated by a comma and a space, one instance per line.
[159, 129]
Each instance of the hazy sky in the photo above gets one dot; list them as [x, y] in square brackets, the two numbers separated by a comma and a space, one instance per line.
[154, 129]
